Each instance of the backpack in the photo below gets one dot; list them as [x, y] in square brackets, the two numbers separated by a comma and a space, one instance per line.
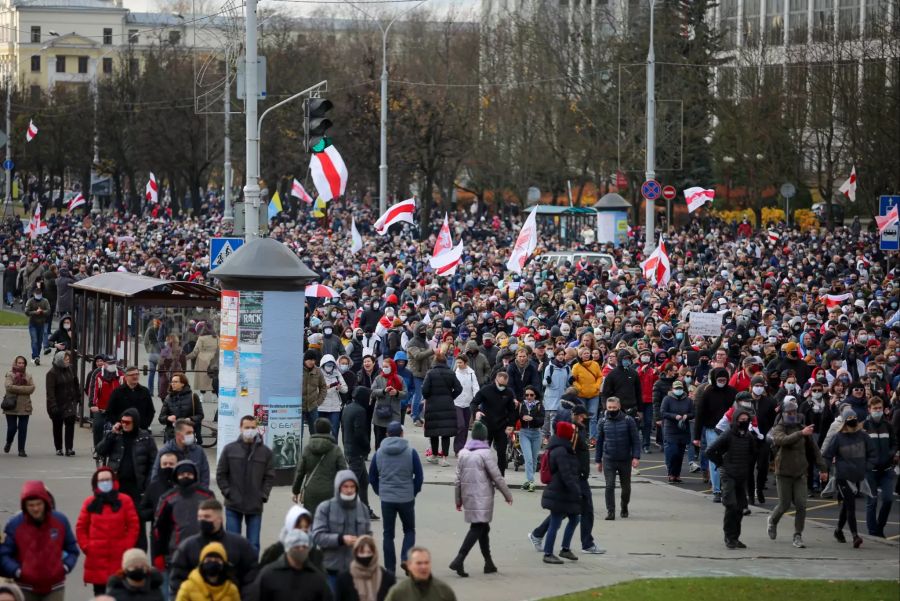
[546, 474]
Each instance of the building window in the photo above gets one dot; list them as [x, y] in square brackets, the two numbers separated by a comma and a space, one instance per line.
[797, 20]
[133, 66]
[107, 65]
[133, 36]
[729, 12]
[107, 36]
[35, 34]
[174, 37]
[848, 19]
[775, 22]
[35, 93]
[751, 22]
[36, 64]
[823, 20]
[82, 64]
[876, 17]
[60, 64]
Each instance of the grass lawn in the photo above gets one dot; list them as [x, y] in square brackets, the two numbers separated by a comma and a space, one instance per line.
[8, 318]
[741, 589]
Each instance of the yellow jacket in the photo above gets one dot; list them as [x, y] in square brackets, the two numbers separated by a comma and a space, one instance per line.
[587, 377]
[197, 589]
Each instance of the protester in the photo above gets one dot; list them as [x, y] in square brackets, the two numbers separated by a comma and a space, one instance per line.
[468, 379]
[587, 378]
[133, 395]
[209, 580]
[171, 361]
[315, 389]
[296, 518]
[185, 446]
[531, 418]
[356, 441]
[495, 405]
[677, 412]
[63, 398]
[618, 452]
[439, 388]
[180, 403]
[137, 580]
[388, 393]
[882, 477]
[365, 580]
[320, 462]
[336, 386]
[292, 576]
[562, 497]
[421, 583]
[712, 404]
[18, 387]
[735, 451]
[205, 352]
[39, 314]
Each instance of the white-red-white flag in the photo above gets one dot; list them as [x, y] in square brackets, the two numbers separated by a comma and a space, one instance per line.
[152, 190]
[400, 212]
[848, 188]
[444, 240]
[773, 236]
[833, 300]
[76, 201]
[37, 225]
[526, 242]
[32, 131]
[656, 268]
[447, 261]
[356, 242]
[893, 217]
[298, 191]
[696, 197]
[329, 173]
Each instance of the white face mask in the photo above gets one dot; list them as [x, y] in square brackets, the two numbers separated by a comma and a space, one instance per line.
[248, 435]
[188, 440]
[758, 390]
[105, 486]
[501, 387]
[348, 498]
[386, 370]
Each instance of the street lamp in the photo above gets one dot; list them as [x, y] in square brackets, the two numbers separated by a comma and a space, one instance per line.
[650, 215]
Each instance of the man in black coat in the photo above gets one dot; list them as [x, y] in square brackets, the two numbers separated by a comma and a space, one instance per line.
[133, 394]
[292, 577]
[495, 405]
[357, 443]
[241, 554]
[245, 475]
[157, 487]
[734, 452]
[562, 497]
[715, 400]
[624, 384]
[618, 451]
[522, 372]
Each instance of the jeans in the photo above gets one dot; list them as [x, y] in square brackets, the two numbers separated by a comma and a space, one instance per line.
[587, 515]
[58, 423]
[98, 426]
[875, 519]
[389, 513]
[646, 423]
[166, 581]
[610, 470]
[499, 440]
[151, 371]
[310, 418]
[549, 426]
[416, 398]
[734, 498]
[19, 423]
[9, 298]
[357, 465]
[593, 405]
[556, 519]
[709, 434]
[335, 418]
[791, 491]
[38, 338]
[233, 521]
[530, 440]
[674, 449]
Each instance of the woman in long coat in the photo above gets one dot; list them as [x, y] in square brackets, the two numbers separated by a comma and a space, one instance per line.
[438, 391]
[477, 475]
[171, 360]
[20, 385]
[205, 351]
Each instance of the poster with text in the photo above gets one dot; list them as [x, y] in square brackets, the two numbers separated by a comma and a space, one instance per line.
[282, 434]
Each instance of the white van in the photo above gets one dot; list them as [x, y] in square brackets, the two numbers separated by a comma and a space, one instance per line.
[555, 259]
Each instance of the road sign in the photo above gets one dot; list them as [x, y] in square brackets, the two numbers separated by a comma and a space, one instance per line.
[788, 190]
[668, 192]
[890, 239]
[8, 164]
[651, 189]
[222, 248]
[3, 138]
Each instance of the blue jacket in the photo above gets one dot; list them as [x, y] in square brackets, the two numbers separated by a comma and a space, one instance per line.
[395, 472]
[672, 406]
[194, 452]
[618, 439]
[556, 380]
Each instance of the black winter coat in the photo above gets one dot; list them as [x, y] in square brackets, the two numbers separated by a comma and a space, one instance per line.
[354, 426]
[713, 404]
[241, 555]
[499, 408]
[278, 581]
[563, 494]
[245, 474]
[660, 389]
[347, 592]
[63, 395]
[181, 404]
[618, 439]
[734, 453]
[520, 378]
[536, 413]
[624, 384]
[120, 590]
[439, 389]
[143, 454]
[124, 397]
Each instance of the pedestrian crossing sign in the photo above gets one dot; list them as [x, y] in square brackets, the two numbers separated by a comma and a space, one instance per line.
[222, 248]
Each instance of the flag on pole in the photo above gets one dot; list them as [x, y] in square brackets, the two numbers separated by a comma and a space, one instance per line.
[152, 191]
[773, 236]
[893, 217]
[32, 131]
[329, 173]
[848, 188]
[833, 300]
[526, 242]
[275, 206]
[446, 262]
[75, 201]
[37, 225]
[319, 208]
[613, 297]
[656, 268]
[298, 191]
[356, 243]
[444, 240]
[400, 212]
[696, 197]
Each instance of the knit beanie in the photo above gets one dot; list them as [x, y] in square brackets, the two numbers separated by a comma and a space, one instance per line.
[323, 426]
[134, 558]
[479, 431]
[565, 430]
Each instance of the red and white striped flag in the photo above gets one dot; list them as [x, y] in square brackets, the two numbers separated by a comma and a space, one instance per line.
[774, 236]
[656, 268]
[357, 318]
[152, 191]
[32, 131]
[833, 300]
[893, 217]
[298, 191]
[613, 297]
[329, 173]
[75, 201]
[447, 261]
[696, 197]
[37, 225]
[526, 242]
[444, 240]
[400, 212]
[848, 188]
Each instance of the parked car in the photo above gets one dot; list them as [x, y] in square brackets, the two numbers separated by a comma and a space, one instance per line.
[821, 211]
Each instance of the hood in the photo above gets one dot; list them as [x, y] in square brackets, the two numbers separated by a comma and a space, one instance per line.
[186, 464]
[739, 411]
[394, 445]
[716, 373]
[214, 548]
[100, 470]
[471, 345]
[64, 320]
[327, 359]
[341, 477]
[401, 356]
[319, 444]
[362, 395]
[35, 489]
[133, 414]
[290, 518]
[59, 359]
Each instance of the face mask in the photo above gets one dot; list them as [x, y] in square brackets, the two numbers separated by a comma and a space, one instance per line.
[862, 338]
[877, 415]
[758, 390]
[488, 343]
[185, 482]
[386, 370]
[678, 392]
[612, 413]
[688, 379]
[105, 486]
[365, 561]
[248, 435]
[874, 374]
[299, 554]
[189, 440]
[817, 396]
[790, 387]
[348, 498]
[790, 420]
[38, 296]
[343, 368]
[743, 426]
[500, 387]
[207, 528]
[852, 422]
[645, 359]
[212, 571]
[328, 331]
[359, 335]
[137, 575]
[626, 363]
[721, 383]
[67, 326]
[679, 336]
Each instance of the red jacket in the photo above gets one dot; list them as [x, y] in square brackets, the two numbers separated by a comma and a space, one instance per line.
[740, 381]
[648, 376]
[103, 389]
[105, 536]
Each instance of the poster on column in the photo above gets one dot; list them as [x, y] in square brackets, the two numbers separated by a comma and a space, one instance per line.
[280, 424]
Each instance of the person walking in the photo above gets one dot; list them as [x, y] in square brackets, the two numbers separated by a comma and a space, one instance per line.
[854, 455]
[180, 403]
[205, 351]
[556, 381]
[420, 356]
[107, 527]
[468, 379]
[209, 580]
[134, 394]
[439, 389]
[18, 388]
[137, 580]
[477, 476]
[735, 453]
[531, 418]
[292, 576]
[711, 405]
[38, 548]
[587, 378]
[336, 386]
[185, 446]
[366, 580]
[396, 477]
[618, 452]
[676, 411]
[38, 312]
[562, 497]
[421, 584]
[245, 474]
[314, 389]
[104, 380]
[388, 392]
[882, 476]
[63, 397]
[321, 461]
[356, 441]
[495, 405]
[792, 441]
[171, 360]
[152, 348]
[624, 383]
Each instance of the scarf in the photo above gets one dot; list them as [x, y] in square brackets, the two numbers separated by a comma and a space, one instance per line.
[366, 580]
[19, 378]
[392, 378]
[100, 499]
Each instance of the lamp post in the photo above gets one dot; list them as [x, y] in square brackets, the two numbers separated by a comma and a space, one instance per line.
[251, 188]
[650, 171]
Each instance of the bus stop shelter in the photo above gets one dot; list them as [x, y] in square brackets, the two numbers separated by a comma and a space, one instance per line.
[112, 311]
[568, 222]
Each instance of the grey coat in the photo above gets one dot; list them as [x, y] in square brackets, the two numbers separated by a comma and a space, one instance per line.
[334, 518]
[477, 475]
[245, 475]
[23, 394]
[382, 398]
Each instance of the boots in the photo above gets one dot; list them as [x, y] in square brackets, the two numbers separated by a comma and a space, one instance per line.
[457, 566]
[489, 567]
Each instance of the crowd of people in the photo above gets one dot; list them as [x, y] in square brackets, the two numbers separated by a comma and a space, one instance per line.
[553, 367]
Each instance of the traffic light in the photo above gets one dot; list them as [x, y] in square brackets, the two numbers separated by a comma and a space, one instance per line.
[316, 124]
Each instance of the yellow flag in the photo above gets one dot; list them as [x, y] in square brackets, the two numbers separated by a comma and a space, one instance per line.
[319, 208]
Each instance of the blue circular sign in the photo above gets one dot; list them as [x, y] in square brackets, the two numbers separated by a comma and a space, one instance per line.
[8, 164]
[651, 189]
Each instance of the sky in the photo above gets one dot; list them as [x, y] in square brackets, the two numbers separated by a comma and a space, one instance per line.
[439, 6]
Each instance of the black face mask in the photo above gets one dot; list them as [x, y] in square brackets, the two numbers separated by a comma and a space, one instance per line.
[612, 413]
[137, 575]
[185, 482]
[207, 528]
[365, 561]
[212, 572]
[743, 426]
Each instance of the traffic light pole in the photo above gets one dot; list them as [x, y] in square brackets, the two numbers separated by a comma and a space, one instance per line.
[322, 86]
[650, 215]
[251, 188]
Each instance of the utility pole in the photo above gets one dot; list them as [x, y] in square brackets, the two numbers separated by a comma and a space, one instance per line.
[251, 188]
[8, 193]
[650, 215]
[228, 216]
[383, 168]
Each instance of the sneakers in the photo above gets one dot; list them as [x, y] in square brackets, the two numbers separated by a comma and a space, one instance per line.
[717, 497]
[537, 542]
[857, 541]
[418, 423]
[528, 486]
[373, 516]
[432, 459]
[567, 554]
[770, 529]
[798, 542]
[646, 449]
[36, 360]
[593, 443]
[443, 461]
[552, 559]
[70, 453]
[594, 550]
[839, 536]
[695, 467]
